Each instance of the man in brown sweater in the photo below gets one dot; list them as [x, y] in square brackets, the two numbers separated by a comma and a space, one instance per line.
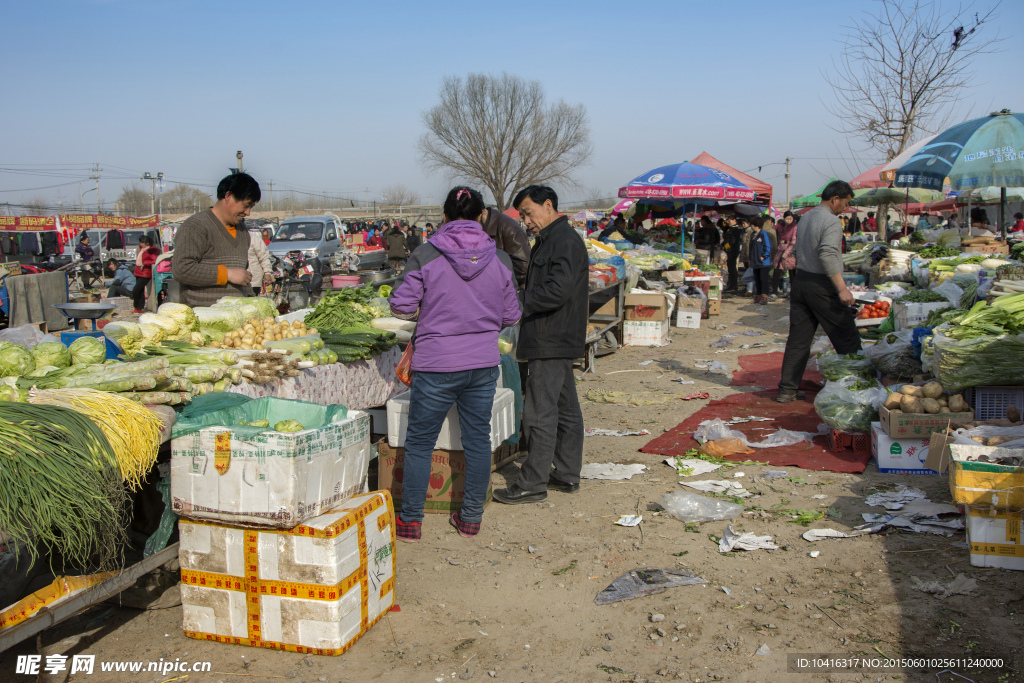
[211, 256]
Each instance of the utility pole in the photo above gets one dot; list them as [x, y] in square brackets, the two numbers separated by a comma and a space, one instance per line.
[152, 189]
[81, 206]
[787, 181]
[96, 176]
[367, 202]
[238, 155]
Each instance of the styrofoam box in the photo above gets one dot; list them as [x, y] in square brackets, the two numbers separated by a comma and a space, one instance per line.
[899, 456]
[908, 315]
[688, 318]
[272, 479]
[316, 588]
[637, 333]
[503, 422]
[993, 537]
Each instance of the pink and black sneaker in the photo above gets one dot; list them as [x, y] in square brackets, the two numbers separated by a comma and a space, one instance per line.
[467, 529]
[410, 532]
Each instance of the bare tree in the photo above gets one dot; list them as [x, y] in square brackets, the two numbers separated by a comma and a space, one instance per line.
[498, 131]
[398, 195]
[185, 199]
[135, 201]
[903, 71]
[37, 206]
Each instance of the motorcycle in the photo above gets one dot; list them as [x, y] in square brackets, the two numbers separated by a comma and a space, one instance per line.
[298, 281]
[84, 274]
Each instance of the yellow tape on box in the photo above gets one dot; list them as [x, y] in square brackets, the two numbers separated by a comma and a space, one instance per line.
[315, 589]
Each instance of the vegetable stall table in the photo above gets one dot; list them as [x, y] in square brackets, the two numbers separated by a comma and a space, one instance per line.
[605, 321]
[357, 385]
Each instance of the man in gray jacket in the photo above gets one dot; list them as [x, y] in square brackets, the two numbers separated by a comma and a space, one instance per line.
[819, 295]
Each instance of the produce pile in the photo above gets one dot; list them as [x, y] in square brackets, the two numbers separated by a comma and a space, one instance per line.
[928, 399]
[260, 333]
[982, 346]
[61, 487]
[346, 307]
[850, 404]
[879, 309]
[834, 367]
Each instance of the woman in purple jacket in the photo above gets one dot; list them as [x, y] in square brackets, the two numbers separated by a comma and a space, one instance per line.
[462, 292]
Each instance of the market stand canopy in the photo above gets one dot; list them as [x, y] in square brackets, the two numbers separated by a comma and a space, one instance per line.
[687, 181]
[812, 199]
[869, 179]
[763, 189]
[984, 152]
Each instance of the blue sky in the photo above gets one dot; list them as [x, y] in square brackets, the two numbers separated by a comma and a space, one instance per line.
[329, 95]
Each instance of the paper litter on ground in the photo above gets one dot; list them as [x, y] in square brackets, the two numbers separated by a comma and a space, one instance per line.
[683, 380]
[820, 534]
[894, 500]
[648, 581]
[691, 467]
[732, 488]
[646, 362]
[630, 520]
[613, 432]
[746, 541]
[961, 585]
[610, 470]
[774, 474]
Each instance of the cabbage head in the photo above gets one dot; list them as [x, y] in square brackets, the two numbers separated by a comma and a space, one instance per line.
[182, 314]
[264, 305]
[41, 371]
[51, 353]
[15, 361]
[170, 326]
[223, 319]
[212, 333]
[248, 311]
[87, 350]
[127, 335]
[151, 334]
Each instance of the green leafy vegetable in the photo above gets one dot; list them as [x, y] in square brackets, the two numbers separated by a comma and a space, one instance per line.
[288, 426]
[15, 360]
[51, 353]
[922, 296]
[86, 350]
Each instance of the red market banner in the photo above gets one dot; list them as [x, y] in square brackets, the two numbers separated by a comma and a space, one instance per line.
[100, 222]
[28, 223]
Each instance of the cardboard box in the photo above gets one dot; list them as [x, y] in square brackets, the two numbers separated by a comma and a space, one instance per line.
[503, 421]
[907, 315]
[647, 307]
[994, 248]
[635, 333]
[445, 487]
[688, 318]
[994, 538]
[269, 478]
[314, 589]
[898, 456]
[985, 483]
[714, 307]
[609, 307]
[715, 288]
[910, 425]
[938, 452]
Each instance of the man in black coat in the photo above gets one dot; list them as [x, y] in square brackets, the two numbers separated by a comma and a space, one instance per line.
[413, 240]
[552, 335]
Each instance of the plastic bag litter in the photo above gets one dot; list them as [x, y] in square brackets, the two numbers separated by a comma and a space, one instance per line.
[834, 367]
[732, 540]
[893, 355]
[714, 430]
[641, 582]
[693, 507]
[26, 335]
[950, 291]
[721, 448]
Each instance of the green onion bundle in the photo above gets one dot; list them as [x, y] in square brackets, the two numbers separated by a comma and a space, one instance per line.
[60, 486]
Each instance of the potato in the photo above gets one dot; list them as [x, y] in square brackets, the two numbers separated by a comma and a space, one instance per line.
[932, 390]
[979, 439]
[957, 404]
[911, 404]
[930, 405]
[1013, 414]
[911, 390]
[944, 409]
[997, 440]
[892, 401]
[895, 411]
[943, 401]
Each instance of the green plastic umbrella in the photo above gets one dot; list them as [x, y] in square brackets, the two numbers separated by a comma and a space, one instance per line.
[990, 195]
[892, 195]
[812, 199]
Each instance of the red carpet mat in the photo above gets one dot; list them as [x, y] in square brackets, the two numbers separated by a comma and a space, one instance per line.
[797, 416]
[765, 370]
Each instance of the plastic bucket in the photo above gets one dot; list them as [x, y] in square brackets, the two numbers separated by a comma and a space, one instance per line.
[345, 281]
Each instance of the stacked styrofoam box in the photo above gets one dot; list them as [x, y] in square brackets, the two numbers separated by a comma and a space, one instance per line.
[503, 422]
[313, 589]
[272, 478]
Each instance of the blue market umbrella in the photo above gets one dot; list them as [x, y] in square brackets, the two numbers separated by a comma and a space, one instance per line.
[984, 152]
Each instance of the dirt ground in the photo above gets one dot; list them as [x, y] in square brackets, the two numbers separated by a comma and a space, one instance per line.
[517, 602]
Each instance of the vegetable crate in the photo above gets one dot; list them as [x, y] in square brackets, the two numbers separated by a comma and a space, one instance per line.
[123, 303]
[841, 441]
[991, 402]
[313, 589]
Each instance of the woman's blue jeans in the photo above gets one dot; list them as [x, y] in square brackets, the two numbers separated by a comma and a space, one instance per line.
[433, 395]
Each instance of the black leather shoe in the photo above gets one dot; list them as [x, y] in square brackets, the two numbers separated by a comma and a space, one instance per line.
[514, 495]
[561, 486]
[789, 398]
